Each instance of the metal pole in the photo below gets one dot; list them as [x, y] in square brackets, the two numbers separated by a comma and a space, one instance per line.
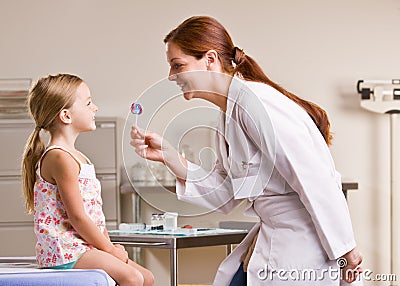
[395, 195]
[137, 215]
[174, 265]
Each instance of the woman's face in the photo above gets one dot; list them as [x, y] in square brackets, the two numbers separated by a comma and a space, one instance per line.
[189, 73]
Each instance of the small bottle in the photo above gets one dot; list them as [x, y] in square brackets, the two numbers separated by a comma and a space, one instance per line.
[161, 221]
[154, 221]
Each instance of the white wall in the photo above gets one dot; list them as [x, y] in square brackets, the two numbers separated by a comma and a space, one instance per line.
[316, 49]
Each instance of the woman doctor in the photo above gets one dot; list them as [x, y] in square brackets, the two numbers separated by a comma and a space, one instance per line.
[272, 151]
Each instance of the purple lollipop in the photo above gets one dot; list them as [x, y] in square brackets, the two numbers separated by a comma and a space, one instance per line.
[136, 108]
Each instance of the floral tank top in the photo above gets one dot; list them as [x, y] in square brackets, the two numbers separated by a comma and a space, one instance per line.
[57, 241]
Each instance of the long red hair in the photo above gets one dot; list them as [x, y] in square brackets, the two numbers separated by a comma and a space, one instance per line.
[199, 34]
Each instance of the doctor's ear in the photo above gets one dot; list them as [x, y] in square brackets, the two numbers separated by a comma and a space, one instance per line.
[65, 116]
[211, 58]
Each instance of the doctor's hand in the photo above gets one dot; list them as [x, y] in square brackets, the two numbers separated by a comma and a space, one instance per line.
[151, 146]
[351, 265]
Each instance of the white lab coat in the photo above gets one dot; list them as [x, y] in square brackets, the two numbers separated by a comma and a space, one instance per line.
[270, 153]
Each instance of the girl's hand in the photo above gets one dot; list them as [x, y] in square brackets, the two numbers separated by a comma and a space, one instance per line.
[119, 246]
[352, 268]
[149, 145]
[120, 253]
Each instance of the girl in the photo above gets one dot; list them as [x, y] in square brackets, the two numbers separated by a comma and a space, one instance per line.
[272, 151]
[61, 188]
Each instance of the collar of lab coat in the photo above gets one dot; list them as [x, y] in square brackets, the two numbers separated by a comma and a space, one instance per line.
[233, 94]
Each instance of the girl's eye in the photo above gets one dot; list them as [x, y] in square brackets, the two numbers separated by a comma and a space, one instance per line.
[89, 103]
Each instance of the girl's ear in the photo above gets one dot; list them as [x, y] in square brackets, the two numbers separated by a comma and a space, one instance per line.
[212, 60]
[65, 116]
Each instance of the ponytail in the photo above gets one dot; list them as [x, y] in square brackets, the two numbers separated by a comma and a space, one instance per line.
[46, 99]
[33, 152]
[248, 69]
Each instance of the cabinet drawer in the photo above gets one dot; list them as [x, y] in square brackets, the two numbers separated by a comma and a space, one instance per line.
[12, 204]
[13, 137]
[17, 240]
[109, 195]
[100, 146]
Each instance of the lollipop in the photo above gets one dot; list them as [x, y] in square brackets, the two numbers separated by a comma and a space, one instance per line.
[136, 109]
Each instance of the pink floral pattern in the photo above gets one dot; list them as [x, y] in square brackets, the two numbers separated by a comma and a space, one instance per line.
[58, 242]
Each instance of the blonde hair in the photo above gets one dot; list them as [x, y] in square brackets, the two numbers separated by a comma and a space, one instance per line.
[46, 99]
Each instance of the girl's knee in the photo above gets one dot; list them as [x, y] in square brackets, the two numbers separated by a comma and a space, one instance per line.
[137, 279]
[133, 277]
[148, 278]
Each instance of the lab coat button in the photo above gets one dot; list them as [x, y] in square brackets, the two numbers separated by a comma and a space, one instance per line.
[246, 165]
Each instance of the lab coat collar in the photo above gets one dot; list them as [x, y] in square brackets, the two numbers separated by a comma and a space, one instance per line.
[234, 91]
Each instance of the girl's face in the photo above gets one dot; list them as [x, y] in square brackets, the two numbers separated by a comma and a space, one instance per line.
[188, 72]
[83, 110]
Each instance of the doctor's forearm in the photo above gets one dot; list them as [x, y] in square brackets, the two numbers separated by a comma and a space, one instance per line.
[176, 163]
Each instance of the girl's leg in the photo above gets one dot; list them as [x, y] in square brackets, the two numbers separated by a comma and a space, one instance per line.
[147, 275]
[122, 273]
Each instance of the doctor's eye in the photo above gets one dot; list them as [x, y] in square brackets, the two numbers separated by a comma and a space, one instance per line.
[177, 66]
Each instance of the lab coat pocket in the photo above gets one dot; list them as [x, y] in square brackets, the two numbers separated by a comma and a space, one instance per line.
[295, 243]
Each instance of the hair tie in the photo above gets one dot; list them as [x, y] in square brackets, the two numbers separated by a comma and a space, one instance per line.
[38, 128]
[238, 55]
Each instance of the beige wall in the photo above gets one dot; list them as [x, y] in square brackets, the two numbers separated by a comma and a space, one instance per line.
[317, 49]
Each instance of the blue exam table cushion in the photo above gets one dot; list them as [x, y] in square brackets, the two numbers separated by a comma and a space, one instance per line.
[76, 277]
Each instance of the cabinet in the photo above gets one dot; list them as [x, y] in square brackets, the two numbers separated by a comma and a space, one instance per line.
[16, 227]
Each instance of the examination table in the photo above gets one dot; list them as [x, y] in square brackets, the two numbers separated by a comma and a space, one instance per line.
[23, 271]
